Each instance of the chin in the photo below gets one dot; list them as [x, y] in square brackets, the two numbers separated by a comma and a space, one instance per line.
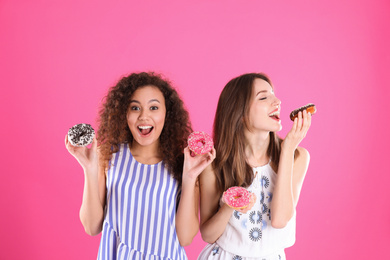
[277, 129]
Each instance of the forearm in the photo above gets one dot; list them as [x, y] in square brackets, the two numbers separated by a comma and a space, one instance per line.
[212, 229]
[92, 207]
[283, 205]
[187, 221]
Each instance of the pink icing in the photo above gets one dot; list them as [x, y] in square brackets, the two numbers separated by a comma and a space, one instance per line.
[237, 197]
[200, 142]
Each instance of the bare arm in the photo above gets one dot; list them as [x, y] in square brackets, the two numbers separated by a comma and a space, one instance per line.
[213, 220]
[291, 173]
[187, 221]
[92, 206]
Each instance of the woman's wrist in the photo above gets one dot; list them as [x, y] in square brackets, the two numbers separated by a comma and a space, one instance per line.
[287, 150]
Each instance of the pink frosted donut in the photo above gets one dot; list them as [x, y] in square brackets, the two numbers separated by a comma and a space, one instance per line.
[200, 142]
[237, 197]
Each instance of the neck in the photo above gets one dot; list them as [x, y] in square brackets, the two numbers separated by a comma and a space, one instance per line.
[149, 154]
[256, 148]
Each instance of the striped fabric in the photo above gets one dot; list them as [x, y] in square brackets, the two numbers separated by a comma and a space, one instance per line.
[140, 211]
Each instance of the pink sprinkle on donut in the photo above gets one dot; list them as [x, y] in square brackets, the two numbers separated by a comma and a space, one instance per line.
[200, 142]
[237, 197]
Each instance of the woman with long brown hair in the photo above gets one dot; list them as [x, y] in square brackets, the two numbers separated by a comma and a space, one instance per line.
[140, 187]
[251, 155]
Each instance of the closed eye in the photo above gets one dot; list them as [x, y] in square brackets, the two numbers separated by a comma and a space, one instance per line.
[263, 98]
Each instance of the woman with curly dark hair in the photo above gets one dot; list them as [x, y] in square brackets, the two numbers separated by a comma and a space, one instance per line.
[140, 187]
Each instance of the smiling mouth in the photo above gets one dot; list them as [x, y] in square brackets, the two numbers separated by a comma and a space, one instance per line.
[145, 130]
[275, 115]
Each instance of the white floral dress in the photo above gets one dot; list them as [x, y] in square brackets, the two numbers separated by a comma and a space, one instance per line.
[250, 236]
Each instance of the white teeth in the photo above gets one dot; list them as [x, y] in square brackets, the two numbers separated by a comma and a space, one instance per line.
[144, 127]
[277, 113]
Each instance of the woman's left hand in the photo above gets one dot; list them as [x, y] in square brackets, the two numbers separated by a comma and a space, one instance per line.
[298, 131]
[194, 165]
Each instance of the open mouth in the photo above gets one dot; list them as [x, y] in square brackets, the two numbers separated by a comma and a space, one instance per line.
[275, 115]
[145, 130]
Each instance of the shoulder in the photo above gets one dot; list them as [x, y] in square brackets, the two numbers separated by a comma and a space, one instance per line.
[303, 155]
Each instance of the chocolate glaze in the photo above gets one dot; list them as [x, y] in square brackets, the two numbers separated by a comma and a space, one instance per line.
[296, 111]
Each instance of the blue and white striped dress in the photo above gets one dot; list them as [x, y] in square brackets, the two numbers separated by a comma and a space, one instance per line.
[140, 211]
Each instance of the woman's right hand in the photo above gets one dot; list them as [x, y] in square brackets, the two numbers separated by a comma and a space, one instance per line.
[87, 157]
[298, 131]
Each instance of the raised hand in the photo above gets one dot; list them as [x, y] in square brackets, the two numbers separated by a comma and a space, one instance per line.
[87, 157]
[298, 131]
[194, 165]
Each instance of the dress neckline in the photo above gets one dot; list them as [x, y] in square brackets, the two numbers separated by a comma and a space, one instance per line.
[262, 166]
[155, 164]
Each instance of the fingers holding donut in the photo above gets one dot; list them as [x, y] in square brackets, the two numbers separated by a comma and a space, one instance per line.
[304, 122]
[87, 157]
[194, 165]
[250, 205]
[298, 132]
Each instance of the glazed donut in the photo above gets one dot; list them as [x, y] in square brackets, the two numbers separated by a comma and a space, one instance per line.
[81, 135]
[309, 108]
[200, 142]
[237, 197]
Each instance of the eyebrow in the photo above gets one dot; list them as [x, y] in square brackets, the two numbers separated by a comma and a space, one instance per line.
[261, 91]
[150, 101]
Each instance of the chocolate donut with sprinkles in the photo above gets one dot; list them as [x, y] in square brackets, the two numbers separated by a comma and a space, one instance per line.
[81, 135]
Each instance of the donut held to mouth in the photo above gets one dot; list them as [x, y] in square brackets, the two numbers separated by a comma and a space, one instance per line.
[81, 135]
[310, 108]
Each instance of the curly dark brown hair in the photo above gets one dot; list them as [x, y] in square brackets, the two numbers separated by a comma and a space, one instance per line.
[114, 130]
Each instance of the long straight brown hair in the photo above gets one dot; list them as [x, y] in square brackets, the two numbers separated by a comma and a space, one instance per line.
[231, 118]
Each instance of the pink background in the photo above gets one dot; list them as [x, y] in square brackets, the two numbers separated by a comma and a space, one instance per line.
[58, 59]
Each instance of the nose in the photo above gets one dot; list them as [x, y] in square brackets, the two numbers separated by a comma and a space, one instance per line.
[277, 102]
[143, 114]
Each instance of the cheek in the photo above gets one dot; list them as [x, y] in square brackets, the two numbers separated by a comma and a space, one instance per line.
[161, 119]
[162, 116]
[131, 119]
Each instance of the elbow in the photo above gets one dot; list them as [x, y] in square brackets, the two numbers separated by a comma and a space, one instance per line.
[280, 218]
[279, 224]
[90, 228]
[92, 232]
[186, 236]
[208, 238]
[185, 242]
